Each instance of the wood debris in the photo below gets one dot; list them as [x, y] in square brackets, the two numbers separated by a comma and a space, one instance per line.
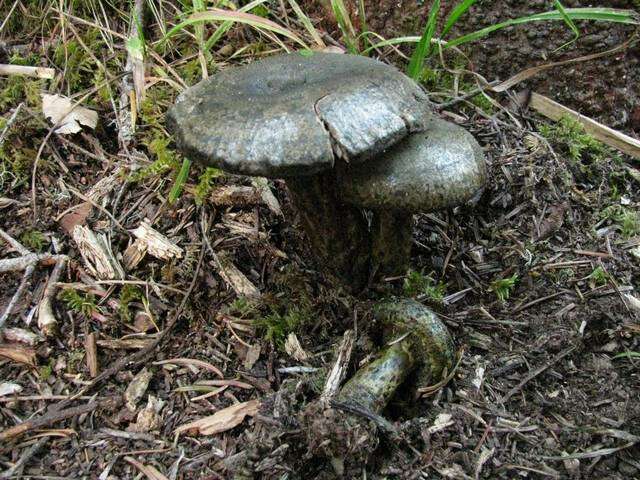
[137, 388]
[91, 354]
[294, 349]
[97, 254]
[156, 244]
[9, 388]
[18, 354]
[234, 277]
[222, 420]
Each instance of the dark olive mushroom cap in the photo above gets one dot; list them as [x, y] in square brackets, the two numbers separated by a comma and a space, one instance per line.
[287, 115]
[441, 167]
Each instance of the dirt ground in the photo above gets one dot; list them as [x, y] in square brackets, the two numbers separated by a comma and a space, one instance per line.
[545, 387]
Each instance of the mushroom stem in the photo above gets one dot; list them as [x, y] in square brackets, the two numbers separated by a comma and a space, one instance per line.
[392, 237]
[374, 385]
[338, 232]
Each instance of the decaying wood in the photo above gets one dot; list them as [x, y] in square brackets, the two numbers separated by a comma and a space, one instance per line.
[149, 471]
[155, 243]
[555, 111]
[269, 199]
[96, 252]
[222, 420]
[47, 322]
[340, 367]
[38, 72]
[234, 277]
[294, 349]
[19, 354]
[20, 335]
[91, 352]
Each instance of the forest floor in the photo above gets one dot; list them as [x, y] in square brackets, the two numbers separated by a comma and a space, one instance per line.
[110, 347]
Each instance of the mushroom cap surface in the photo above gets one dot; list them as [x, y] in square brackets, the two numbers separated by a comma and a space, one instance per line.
[440, 167]
[289, 115]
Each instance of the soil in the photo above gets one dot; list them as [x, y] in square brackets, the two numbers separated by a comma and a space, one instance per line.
[543, 389]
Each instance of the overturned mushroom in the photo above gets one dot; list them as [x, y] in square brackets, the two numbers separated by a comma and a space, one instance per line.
[296, 117]
[418, 343]
[438, 168]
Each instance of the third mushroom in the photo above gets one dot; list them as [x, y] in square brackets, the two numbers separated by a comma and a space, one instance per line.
[349, 134]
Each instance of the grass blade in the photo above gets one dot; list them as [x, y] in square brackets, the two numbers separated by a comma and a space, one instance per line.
[225, 26]
[569, 22]
[627, 355]
[218, 15]
[304, 19]
[455, 15]
[597, 14]
[344, 22]
[181, 179]
[423, 49]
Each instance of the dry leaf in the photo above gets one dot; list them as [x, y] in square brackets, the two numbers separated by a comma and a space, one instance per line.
[19, 354]
[76, 217]
[61, 111]
[294, 349]
[252, 356]
[222, 420]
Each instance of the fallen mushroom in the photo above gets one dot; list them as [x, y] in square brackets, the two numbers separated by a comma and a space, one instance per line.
[297, 117]
[418, 343]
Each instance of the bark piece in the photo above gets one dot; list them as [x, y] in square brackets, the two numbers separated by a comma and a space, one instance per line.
[97, 254]
[222, 420]
[155, 243]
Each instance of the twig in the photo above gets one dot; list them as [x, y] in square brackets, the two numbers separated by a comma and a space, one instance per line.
[339, 370]
[39, 72]
[10, 122]
[534, 373]
[49, 419]
[16, 469]
[91, 350]
[47, 322]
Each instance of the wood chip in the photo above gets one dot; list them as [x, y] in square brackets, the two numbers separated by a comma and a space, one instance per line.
[149, 471]
[222, 420]
[252, 356]
[191, 362]
[96, 252]
[234, 196]
[294, 349]
[19, 354]
[235, 278]
[9, 388]
[155, 243]
[137, 388]
[91, 351]
[267, 196]
[20, 335]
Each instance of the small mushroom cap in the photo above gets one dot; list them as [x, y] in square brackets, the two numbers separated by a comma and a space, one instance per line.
[287, 115]
[441, 167]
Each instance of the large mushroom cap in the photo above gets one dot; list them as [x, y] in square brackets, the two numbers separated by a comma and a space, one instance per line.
[286, 115]
[438, 168]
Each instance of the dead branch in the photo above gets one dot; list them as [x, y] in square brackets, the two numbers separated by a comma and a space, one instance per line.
[47, 322]
[39, 72]
[340, 366]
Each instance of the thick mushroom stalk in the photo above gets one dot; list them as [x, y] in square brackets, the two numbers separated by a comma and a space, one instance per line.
[438, 168]
[418, 344]
[298, 117]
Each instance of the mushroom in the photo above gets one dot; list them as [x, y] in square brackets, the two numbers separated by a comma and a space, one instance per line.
[418, 346]
[302, 117]
[438, 168]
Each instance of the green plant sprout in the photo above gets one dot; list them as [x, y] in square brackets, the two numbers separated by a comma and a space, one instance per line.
[503, 287]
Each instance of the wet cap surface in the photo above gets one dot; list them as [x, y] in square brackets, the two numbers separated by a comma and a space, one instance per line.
[290, 114]
[441, 167]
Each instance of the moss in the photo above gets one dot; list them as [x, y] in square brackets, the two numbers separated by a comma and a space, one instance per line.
[128, 294]
[627, 219]
[276, 326]
[417, 283]
[503, 287]
[33, 239]
[205, 184]
[83, 304]
[570, 136]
